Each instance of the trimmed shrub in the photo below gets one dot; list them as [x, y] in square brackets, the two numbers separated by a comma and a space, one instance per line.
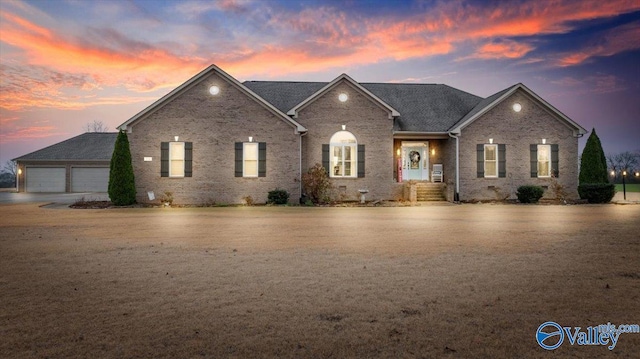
[278, 196]
[597, 192]
[317, 184]
[122, 187]
[529, 194]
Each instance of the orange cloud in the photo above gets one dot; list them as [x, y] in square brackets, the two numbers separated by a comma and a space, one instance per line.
[500, 50]
[29, 133]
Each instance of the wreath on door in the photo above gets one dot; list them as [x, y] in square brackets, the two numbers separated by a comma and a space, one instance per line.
[414, 158]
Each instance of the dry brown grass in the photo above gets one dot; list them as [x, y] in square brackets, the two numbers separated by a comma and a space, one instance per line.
[471, 281]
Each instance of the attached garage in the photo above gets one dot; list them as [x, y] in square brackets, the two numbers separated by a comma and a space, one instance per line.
[79, 164]
[89, 179]
[46, 179]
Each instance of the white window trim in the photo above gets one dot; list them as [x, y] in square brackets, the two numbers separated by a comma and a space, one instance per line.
[354, 160]
[485, 160]
[244, 158]
[171, 159]
[548, 160]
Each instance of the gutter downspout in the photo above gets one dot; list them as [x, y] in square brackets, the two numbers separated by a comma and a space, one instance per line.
[456, 194]
[300, 163]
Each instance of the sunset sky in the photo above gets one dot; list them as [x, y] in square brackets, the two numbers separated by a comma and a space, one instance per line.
[66, 63]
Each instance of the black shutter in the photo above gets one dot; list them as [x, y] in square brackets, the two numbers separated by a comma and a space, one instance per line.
[360, 161]
[555, 168]
[502, 160]
[262, 159]
[164, 159]
[238, 148]
[533, 156]
[480, 160]
[188, 159]
[325, 158]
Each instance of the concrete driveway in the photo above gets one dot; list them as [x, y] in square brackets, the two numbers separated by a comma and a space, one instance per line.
[64, 198]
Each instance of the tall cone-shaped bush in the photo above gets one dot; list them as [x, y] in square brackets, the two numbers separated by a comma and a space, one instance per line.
[122, 187]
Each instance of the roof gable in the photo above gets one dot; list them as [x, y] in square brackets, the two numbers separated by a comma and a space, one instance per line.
[196, 80]
[342, 78]
[492, 101]
[85, 147]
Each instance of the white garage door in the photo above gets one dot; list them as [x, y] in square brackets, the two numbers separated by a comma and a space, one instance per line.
[89, 179]
[46, 179]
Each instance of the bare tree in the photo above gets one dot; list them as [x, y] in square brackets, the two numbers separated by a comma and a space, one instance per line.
[96, 126]
[10, 167]
[8, 174]
[625, 161]
[628, 160]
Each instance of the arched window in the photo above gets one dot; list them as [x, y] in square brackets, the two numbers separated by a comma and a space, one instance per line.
[343, 155]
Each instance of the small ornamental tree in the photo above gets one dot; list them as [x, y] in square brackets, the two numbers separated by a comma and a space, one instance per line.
[594, 181]
[593, 164]
[317, 184]
[122, 188]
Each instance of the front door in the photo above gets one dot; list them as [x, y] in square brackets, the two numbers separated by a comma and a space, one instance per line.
[414, 163]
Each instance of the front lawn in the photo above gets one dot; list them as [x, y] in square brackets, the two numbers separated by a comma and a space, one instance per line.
[633, 187]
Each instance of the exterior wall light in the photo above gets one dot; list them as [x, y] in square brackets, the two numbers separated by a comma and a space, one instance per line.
[613, 173]
[491, 140]
[176, 138]
[214, 90]
[398, 152]
[544, 141]
[250, 138]
[343, 97]
[344, 127]
[20, 171]
[517, 107]
[433, 152]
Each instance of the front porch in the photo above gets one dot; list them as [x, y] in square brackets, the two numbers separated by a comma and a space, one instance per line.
[418, 160]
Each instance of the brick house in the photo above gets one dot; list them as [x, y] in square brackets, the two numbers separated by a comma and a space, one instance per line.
[216, 139]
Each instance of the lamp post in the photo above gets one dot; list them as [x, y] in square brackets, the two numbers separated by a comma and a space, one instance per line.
[624, 186]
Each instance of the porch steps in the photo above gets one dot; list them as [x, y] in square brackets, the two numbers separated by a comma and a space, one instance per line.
[430, 192]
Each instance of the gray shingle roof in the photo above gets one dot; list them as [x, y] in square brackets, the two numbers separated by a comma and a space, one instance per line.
[284, 95]
[87, 146]
[422, 107]
[482, 104]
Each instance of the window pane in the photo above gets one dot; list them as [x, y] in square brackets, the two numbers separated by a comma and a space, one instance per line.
[343, 137]
[250, 151]
[490, 153]
[176, 150]
[347, 168]
[543, 152]
[490, 169]
[347, 153]
[543, 168]
[177, 168]
[250, 168]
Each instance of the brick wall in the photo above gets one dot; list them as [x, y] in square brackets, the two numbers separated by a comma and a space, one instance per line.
[213, 124]
[371, 126]
[517, 130]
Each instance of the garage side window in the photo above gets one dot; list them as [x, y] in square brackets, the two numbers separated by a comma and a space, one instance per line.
[176, 159]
